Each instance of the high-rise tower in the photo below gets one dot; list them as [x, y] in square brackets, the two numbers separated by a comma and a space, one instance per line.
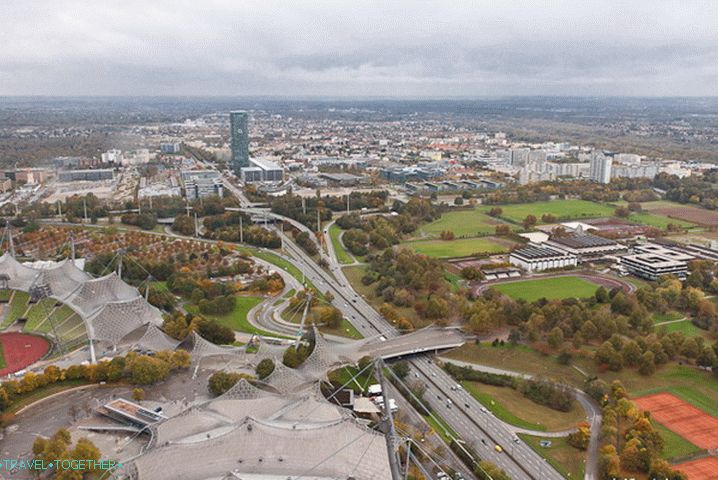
[239, 128]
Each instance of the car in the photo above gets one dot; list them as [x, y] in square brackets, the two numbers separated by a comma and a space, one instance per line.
[483, 441]
[466, 405]
[452, 388]
[442, 475]
[484, 410]
[433, 374]
[448, 404]
[498, 448]
[516, 439]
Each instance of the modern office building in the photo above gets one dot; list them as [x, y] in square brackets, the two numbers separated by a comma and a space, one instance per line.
[262, 170]
[600, 167]
[239, 129]
[202, 183]
[652, 261]
[170, 147]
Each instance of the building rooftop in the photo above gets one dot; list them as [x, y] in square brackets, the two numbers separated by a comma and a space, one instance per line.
[533, 252]
[585, 240]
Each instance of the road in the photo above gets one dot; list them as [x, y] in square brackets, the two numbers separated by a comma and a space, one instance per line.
[518, 459]
[592, 409]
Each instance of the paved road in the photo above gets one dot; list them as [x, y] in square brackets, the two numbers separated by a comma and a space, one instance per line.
[518, 459]
[593, 414]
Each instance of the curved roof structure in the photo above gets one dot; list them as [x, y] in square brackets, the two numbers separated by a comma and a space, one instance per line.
[341, 449]
[110, 308]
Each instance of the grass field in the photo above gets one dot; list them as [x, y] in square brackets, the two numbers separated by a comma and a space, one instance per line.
[675, 446]
[278, 261]
[512, 407]
[2, 358]
[561, 209]
[237, 318]
[686, 327]
[551, 288]
[440, 427]
[688, 383]
[656, 220]
[462, 247]
[464, 223]
[342, 255]
[569, 461]
[666, 317]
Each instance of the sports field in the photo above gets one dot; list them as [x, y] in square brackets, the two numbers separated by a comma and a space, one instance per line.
[702, 469]
[21, 350]
[561, 209]
[551, 288]
[464, 223]
[681, 417]
[462, 247]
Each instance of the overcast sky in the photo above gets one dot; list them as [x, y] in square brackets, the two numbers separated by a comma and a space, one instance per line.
[394, 48]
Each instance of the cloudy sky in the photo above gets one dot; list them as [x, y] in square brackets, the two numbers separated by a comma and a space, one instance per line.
[396, 48]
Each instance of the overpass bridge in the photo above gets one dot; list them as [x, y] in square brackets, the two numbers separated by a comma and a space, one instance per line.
[420, 341]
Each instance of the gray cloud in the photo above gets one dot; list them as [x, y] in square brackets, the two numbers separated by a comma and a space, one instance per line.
[326, 47]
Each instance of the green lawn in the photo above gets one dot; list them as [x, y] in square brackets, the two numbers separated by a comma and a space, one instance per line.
[345, 329]
[512, 407]
[569, 461]
[278, 261]
[15, 308]
[562, 209]
[551, 288]
[656, 220]
[342, 376]
[464, 223]
[237, 318]
[675, 445]
[462, 247]
[342, 255]
[686, 382]
[686, 327]
[2, 358]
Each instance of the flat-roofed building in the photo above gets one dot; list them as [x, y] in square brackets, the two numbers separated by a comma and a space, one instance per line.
[343, 179]
[262, 170]
[86, 175]
[202, 183]
[585, 245]
[535, 258]
[652, 266]
[127, 412]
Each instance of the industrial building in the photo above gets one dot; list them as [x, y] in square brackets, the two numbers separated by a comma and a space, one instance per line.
[535, 258]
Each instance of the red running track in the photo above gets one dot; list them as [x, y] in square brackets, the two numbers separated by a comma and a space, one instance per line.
[21, 350]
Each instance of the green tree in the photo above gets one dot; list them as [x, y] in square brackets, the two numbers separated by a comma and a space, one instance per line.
[265, 368]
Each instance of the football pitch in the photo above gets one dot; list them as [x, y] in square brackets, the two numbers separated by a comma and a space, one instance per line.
[550, 288]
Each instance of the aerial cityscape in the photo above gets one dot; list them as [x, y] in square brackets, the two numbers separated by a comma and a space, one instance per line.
[326, 241]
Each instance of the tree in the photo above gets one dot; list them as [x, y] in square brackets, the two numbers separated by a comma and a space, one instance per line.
[529, 221]
[471, 273]
[138, 394]
[486, 470]
[622, 212]
[265, 368]
[495, 212]
[502, 229]
[601, 295]
[215, 332]
[647, 364]
[458, 201]
[401, 369]
[581, 437]
[220, 382]
[146, 370]
[555, 337]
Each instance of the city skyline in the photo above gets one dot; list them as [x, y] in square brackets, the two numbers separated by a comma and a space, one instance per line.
[330, 49]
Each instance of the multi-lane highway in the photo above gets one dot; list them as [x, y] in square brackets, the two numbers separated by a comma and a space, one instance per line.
[469, 422]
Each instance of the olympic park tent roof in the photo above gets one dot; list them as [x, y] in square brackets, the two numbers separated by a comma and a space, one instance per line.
[109, 307]
[249, 431]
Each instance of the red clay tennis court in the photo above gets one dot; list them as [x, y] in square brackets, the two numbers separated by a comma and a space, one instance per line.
[21, 350]
[689, 422]
[701, 469]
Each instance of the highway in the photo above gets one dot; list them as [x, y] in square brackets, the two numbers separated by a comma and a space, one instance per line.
[517, 458]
